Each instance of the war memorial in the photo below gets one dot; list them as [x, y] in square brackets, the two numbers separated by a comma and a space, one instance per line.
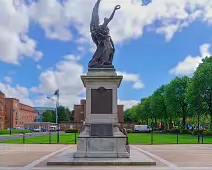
[101, 142]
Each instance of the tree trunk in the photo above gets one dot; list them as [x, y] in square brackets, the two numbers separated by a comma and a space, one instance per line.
[170, 124]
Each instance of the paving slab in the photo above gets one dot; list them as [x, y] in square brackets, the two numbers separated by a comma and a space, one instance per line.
[136, 158]
[196, 155]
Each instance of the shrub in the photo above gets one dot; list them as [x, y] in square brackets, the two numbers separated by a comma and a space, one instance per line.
[6, 132]
[207, 133]
[195, 132]
[129, 131]
[175, 131]
[185, 131]
[72, 131]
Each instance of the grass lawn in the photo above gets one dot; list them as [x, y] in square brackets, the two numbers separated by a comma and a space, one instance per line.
[133, 139]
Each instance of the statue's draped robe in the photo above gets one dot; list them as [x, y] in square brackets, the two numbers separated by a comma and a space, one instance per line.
[104, 52]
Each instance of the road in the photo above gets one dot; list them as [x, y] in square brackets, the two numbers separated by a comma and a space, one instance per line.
[32, 135]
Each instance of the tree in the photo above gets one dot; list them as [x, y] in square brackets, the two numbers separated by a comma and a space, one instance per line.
[146, 109]
[64, 114]
[199, 94]
[175, 98]
[158, 106]
[49, 116]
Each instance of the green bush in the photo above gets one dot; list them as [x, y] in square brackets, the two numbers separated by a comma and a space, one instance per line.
[6, 132]
[72, 131]
[201, 131]
[174, 131]
[185, 131]
[207, 133]
[129, 131]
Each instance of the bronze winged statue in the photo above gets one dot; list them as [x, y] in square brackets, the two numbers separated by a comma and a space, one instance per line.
[100, 34]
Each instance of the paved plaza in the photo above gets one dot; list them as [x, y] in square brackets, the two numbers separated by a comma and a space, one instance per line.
[167, 157]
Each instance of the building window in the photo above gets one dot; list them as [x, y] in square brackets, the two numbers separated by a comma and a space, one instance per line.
[16, 123]
[22, 123]
[16, 105]
[1, 107]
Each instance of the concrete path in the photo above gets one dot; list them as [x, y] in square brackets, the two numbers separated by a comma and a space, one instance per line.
[167, 157]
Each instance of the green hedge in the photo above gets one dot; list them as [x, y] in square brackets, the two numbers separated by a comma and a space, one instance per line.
[6, 132]
[72, 131]
[185, 131]
[129, 131]
[195, 132]
[174, 131]
[207, 133]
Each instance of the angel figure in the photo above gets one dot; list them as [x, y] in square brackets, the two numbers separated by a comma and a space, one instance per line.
[100, 34]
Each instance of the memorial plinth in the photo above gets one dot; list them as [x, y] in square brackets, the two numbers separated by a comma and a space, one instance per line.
[101, 136]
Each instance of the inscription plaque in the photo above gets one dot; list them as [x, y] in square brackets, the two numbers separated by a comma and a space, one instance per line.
[101, 101]
[101, 130]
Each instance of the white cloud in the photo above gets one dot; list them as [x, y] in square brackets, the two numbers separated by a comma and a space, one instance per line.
[66, 77]
[38, 67]
[14, 41]
[56, 18]
[18, 92]
[128, 103]
[134, 78]
[8, 80]
[189, 65]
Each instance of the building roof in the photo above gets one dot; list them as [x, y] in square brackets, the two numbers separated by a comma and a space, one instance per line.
[1, 93]
[44, 108]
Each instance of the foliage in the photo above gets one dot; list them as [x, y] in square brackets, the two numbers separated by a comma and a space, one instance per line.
[185, 131]
[196, 132]
[72, 131]
[207, 133]
[129, 131]
[174, 131]
[64, 114]
[182, 101]
[6, 132]
[176, 98]
[49, 116]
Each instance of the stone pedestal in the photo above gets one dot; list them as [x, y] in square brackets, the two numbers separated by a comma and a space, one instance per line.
[101, 136]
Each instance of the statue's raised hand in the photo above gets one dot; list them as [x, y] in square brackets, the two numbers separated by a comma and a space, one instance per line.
[118, 7]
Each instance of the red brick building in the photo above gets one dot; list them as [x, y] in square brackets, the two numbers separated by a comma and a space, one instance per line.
[2, 111]
[80, 112]
[14, 114]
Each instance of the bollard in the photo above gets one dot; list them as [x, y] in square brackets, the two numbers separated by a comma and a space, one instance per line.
[177, 138]
[23, 137]
[202, 139]
[151, 138]
[50, 140]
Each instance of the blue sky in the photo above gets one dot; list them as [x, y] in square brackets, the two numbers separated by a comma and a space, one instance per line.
[48, 49]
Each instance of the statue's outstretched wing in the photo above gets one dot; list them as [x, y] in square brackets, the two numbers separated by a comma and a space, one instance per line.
[95, 17]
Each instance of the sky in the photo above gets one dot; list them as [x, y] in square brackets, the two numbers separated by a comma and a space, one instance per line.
[46, 44]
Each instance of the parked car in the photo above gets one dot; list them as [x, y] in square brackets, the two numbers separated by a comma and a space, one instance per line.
[142, 128]
[36, 130]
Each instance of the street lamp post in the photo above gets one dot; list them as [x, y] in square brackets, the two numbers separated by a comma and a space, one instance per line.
[198, 116]
[56, 111]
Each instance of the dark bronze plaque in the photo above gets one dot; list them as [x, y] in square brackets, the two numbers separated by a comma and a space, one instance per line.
[101, 130]
[101, 101]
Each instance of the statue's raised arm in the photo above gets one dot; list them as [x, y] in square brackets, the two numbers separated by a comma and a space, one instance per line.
[107, 20]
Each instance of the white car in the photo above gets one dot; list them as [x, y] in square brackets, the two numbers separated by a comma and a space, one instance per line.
[36, 130]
